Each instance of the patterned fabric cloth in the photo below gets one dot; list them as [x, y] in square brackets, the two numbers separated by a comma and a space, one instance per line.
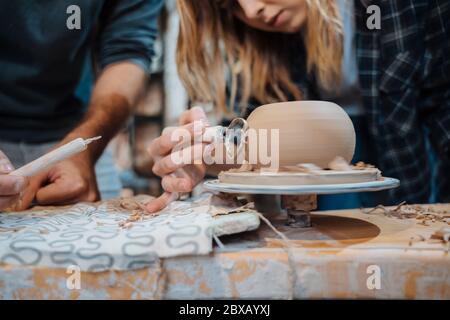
[91, 238]
[404, 73]
[99, 237]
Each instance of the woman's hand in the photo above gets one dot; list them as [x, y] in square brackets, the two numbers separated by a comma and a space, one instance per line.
[11, 187]
[179, 173]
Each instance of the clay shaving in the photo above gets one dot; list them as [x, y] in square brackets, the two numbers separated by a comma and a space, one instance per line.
[442, 235]
[221, 211]
[138, 212]
[245, 167]
[339, 164]
[361, 166]
[223, 204]
[424, 215]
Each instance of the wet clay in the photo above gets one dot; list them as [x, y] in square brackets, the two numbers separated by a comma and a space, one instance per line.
[309, 131]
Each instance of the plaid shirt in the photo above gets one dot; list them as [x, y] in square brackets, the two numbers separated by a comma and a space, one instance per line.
[404, 71]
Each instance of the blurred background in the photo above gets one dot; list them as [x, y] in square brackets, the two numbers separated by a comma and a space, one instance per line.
[161, 106]
[164, 101]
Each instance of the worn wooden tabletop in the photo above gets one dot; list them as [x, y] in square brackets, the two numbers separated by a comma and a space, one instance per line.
[346, 254]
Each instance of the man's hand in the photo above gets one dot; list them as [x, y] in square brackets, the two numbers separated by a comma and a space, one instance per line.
[11, 187]
[70, 181]
[116, 92]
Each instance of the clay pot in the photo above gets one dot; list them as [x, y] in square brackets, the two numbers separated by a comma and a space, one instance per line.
[309, 131]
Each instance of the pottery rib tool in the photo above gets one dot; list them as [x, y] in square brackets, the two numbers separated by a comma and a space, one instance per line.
[53, 157]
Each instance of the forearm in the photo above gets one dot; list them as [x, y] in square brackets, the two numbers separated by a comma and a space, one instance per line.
[116, 92]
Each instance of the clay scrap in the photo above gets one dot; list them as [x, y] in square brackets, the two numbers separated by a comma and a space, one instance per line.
[423, 214]
[339, 164]
[443, 235]
[137, 206]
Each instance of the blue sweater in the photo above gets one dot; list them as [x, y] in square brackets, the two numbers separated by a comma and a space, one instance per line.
[42, 54]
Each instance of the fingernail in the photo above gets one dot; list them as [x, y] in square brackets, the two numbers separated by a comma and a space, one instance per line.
[7, 168]
[198, 127]
[151, 208]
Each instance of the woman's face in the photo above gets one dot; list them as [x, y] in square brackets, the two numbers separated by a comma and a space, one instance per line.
[272, 15]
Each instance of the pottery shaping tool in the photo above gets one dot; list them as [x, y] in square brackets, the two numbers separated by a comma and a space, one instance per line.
[213, 135]
[53, 157]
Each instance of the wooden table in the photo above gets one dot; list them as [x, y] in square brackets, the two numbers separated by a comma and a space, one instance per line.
[340, 257]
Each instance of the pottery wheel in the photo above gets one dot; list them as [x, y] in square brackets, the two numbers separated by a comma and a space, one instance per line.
[291, 178]
[382, 183]
[300, 183]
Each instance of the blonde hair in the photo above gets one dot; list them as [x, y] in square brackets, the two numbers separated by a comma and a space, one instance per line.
[213, 42]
